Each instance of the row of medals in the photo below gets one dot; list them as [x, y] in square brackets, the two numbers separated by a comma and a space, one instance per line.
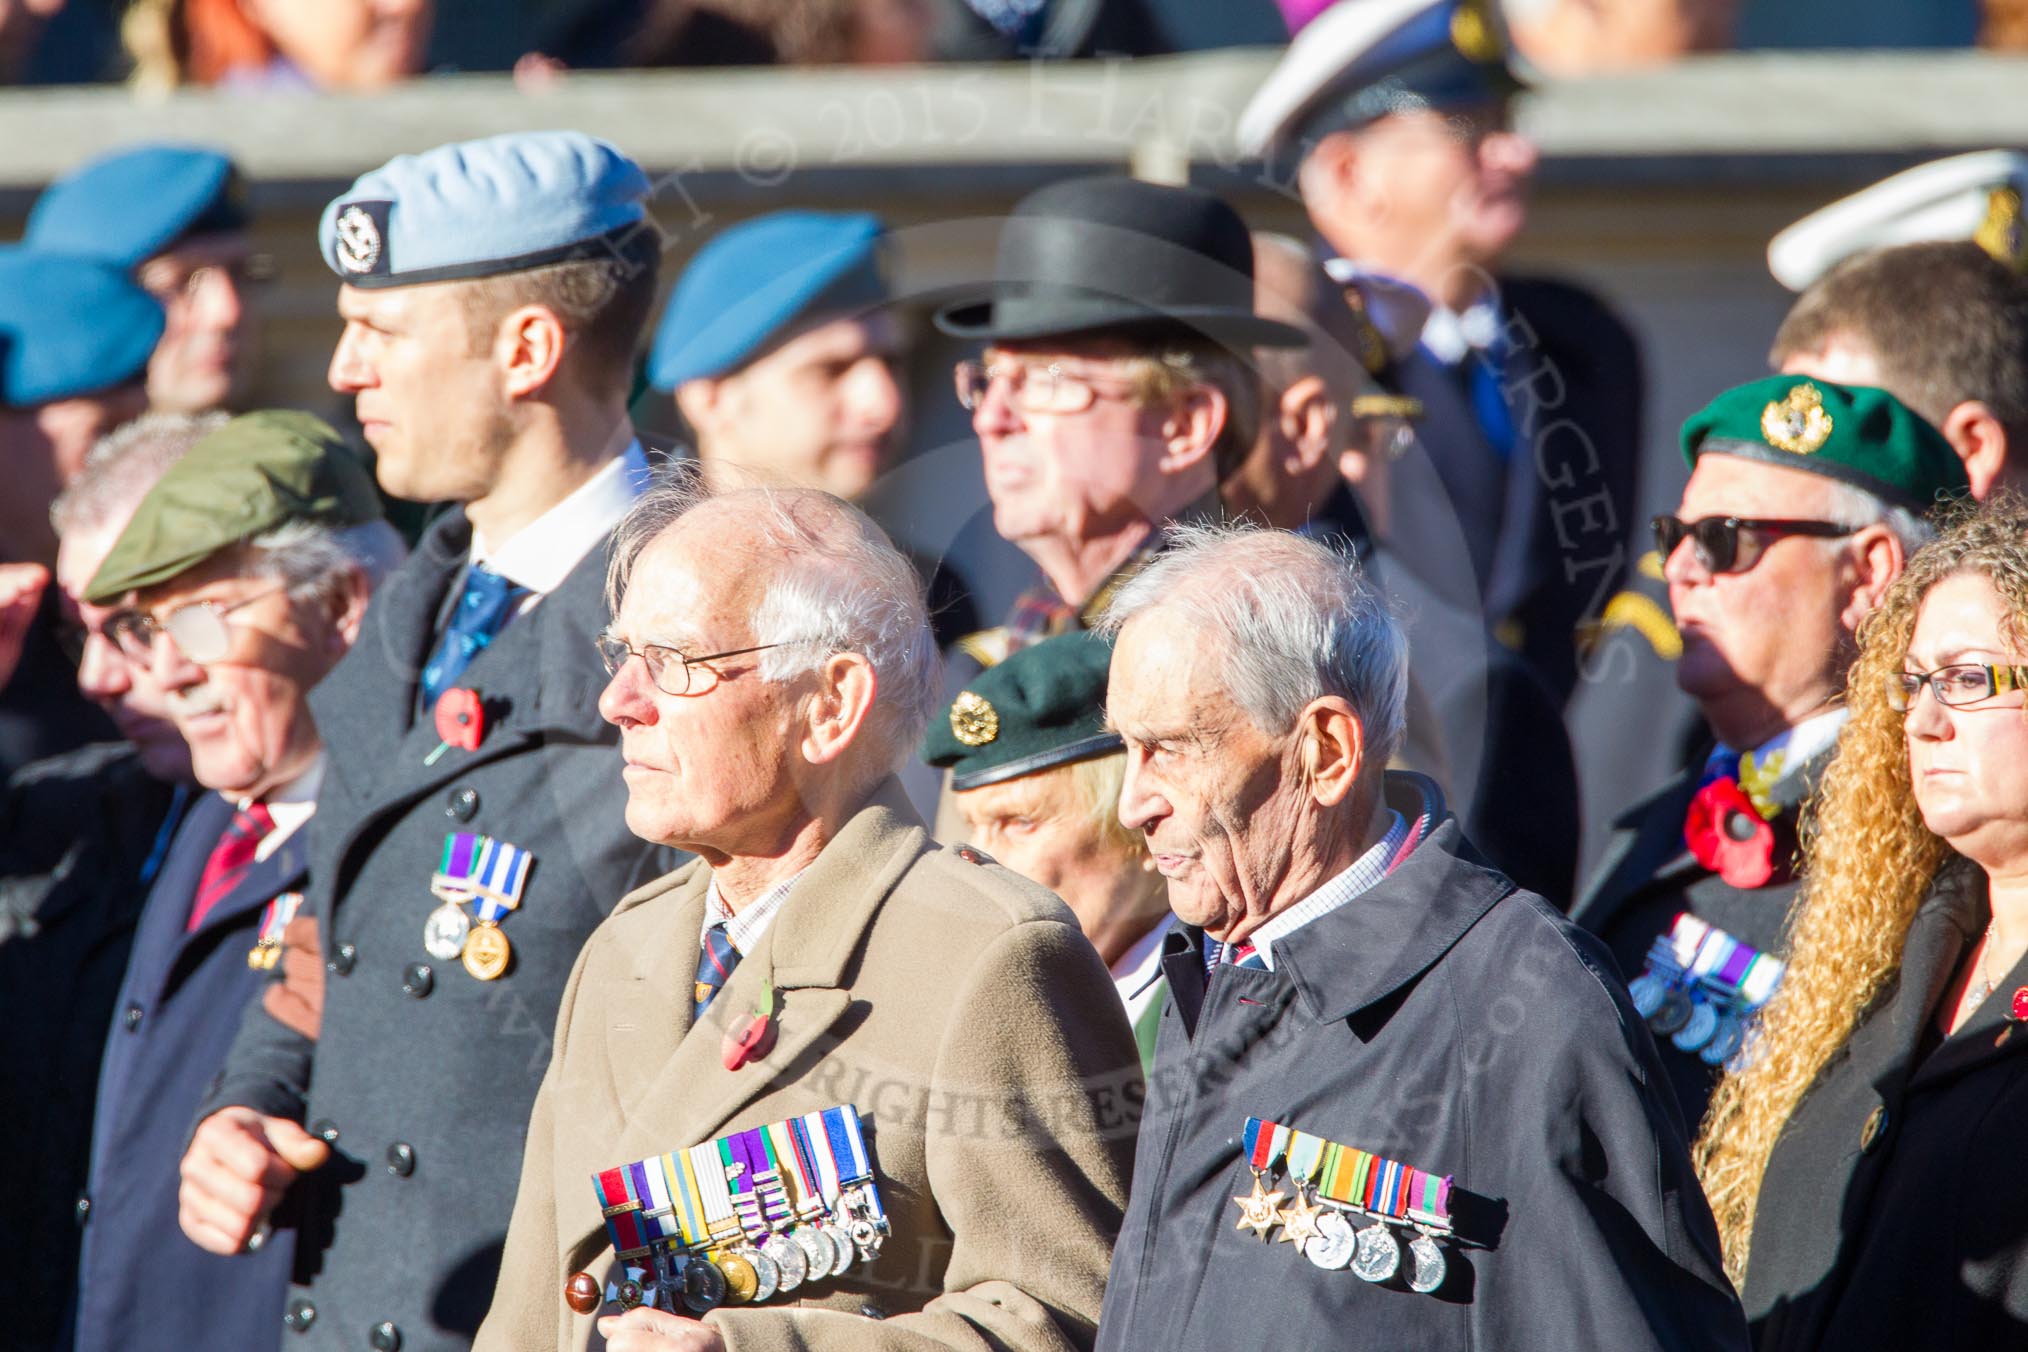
[813, 1251]
[1711, 1028]
[1323, 1234]
[450, 933]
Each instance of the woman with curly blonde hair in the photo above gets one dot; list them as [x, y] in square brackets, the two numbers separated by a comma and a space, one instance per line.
[1864, 1160]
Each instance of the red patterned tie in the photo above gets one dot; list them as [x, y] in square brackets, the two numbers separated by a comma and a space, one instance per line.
[230, 859]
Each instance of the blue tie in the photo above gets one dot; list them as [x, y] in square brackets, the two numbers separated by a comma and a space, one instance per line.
[715, 960]
[482, 611]
[1489, 400]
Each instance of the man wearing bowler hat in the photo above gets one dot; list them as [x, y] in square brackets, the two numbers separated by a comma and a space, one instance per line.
[1115, 390]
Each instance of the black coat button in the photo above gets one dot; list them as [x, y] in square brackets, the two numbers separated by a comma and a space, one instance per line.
[461, 803]
[325, 1130]
[418, 980]
[84, 1209]
[1874, 1130]
[132, 1018]
[301, 1314]
[385, 1337]
[401, 1159]
[343, 960]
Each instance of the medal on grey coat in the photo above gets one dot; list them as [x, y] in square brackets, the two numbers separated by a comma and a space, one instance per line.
[1331, 1248]
[841, 1247]
[1378, 1255]
[816, 1247]
[1731, 1032]
[765, 1273]
[787, 1256]
[444, 932]
[1697, 1030]
[1428, 1268]
[1673, 1012]
[703, 1286]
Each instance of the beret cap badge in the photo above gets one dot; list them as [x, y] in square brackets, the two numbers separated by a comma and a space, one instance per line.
[1797, 424]
[1473, 35]
[974, 720]
[358, 239]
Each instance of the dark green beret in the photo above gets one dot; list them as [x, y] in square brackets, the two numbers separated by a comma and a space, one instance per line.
[1043, 706]
[1852, 433]
[255, 473]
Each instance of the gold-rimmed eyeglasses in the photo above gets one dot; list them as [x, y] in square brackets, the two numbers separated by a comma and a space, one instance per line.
[199, 630]
[1036, 387]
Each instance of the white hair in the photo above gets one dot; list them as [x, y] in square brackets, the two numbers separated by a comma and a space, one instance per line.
[312, 557]
[1853, 506]
[836, 585]
[1292, 619]
[124, 464]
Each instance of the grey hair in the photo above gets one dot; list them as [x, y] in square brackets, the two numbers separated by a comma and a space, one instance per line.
[124, 464]
[312, 557]
[1296, 621]
[837, 585]
[1853, 506]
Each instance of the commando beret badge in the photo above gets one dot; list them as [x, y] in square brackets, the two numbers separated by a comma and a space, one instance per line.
[1855, 434]
[1042, 707]
[255, 473]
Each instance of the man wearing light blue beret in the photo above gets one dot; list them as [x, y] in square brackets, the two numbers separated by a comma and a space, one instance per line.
[74, 342]
[176, 218]
[780, 352]
[471, 827]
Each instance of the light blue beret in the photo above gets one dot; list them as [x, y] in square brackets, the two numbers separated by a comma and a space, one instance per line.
[69, 326]
[753, 281]
[478, 208]
[126, 207]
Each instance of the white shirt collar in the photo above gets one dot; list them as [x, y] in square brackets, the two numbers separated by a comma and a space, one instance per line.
[1142, 962]
[746, 928]
[291, 805]
[541, 554]
[1452, 335]
[1368, 869]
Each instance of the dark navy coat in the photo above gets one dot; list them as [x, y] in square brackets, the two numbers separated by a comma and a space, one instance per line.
[1447, 1021]
[423, 1076]
[141, 1282]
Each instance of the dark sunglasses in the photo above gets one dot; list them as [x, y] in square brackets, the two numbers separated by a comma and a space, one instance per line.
[1718, 539]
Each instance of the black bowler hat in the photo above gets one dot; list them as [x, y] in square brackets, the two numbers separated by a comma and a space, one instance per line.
[1112, 254]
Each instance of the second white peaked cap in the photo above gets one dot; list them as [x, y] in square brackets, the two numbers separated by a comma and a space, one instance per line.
[1966, 197]
[1455, 45]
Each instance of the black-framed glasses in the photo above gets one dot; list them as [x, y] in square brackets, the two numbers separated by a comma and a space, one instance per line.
[1733, 544]
[1954, 686]
[672, 672]
[199, 630]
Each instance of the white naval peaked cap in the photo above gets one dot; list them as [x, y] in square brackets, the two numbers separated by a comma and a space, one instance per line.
[1423, 52]
[1965, 197]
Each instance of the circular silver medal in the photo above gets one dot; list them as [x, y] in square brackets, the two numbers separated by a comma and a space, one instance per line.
[1647, 991]
[703, 1286]
[816, 1249]
[1427, 1269]
[1331, 1247]
[1731, 1032]
[765, 1272]
[444, 932]
[1697, 1030]
[788, 1259]
[841, 1247]
[1378, 1255]
[1673, 1012]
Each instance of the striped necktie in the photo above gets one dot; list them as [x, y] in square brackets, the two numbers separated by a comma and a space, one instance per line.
[482, 612]
[716, 958]
[1244, 954]
[230, 859]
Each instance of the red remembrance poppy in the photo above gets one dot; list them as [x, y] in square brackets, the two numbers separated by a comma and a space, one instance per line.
[461, 720]
[1729, 836]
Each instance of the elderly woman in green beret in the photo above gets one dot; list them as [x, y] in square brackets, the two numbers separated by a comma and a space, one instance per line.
[1035, 778]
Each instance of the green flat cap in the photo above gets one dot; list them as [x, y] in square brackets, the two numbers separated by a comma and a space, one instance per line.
[250, 476]
[1043, 706]
[1852, 433]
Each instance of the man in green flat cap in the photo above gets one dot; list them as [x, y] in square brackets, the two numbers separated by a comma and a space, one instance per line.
[1804, 502]
[1035, 777]
[240, 581]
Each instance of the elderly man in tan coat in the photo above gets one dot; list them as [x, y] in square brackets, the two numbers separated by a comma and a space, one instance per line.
[772, 667]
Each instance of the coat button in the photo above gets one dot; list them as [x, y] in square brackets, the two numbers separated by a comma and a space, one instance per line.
[301, 1314]
[417, 979]
[132, 1018]
[461, 804]
[83, 1209]
[384, 1338]
[401, 1159]
[343, 960]
[1875, 1128]
[325, 1130]
[873, 1312]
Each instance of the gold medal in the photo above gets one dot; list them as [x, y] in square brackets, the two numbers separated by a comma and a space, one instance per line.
[487, 952]
[1260, 1212]
[741, 1281]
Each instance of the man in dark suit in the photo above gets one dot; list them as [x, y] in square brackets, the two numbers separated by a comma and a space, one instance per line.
[241, 580]
[1805, 499]
[1523, 481]
[470, 831]
[1428, 1065]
